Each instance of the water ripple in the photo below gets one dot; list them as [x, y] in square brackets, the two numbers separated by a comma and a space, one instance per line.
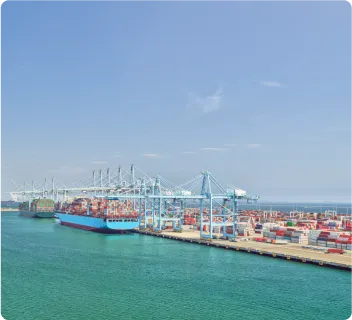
[55, 272]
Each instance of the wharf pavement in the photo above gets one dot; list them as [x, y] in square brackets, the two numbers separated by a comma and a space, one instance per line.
[290, 251]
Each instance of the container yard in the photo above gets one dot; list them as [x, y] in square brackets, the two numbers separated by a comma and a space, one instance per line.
[203, 210]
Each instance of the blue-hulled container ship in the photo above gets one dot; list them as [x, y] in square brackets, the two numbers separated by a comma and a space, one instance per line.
[98, 215]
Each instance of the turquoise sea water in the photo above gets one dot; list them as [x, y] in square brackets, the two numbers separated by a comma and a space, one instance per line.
[49, 271]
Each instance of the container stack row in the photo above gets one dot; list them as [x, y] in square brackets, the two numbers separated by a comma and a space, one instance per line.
[330, 239]
[42, 205]
[293, 235]
[348, 226]
[97, 207]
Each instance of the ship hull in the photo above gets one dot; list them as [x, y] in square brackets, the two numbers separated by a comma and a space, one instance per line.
[35, 214]
[28, 214]
[45, 214]
[99, 225]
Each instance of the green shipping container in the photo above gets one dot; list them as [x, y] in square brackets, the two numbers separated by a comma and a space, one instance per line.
[42, 203]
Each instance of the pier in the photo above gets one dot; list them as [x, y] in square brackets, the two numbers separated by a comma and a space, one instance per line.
[9, 209]
[292, 252]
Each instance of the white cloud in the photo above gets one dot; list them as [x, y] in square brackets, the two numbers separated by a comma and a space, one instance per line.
[100, 162]
[214, 149]
[150, 155]
[230, 145]
[253, 145]
[271, 84]
[188, 152]
[207, 104]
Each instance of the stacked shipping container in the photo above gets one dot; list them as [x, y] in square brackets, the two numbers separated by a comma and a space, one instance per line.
[293, 235]
[188, 219]
[348, 226]
[98, 208]
[330, 239]
[46, 205]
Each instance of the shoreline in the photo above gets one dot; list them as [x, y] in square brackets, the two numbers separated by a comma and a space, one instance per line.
[292, 252]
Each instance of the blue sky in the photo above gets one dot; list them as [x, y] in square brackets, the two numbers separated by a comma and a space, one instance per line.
[257, 92]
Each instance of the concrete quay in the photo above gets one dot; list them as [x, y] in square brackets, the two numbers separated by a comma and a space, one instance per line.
[290, 251]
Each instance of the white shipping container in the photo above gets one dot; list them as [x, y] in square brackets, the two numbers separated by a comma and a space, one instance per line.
[334, 234]
[342, 239]
[313, 238]
[270, 225]
[296, 234]
[314, 232]
[300, 231]
[281, 241]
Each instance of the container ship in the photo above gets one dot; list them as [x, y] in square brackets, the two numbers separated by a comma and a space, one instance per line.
[38, 208]
[98, 215]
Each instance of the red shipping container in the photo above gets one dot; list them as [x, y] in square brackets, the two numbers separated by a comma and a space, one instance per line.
[332, 250]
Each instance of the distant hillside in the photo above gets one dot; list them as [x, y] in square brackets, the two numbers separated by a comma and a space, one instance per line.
[9, 204]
